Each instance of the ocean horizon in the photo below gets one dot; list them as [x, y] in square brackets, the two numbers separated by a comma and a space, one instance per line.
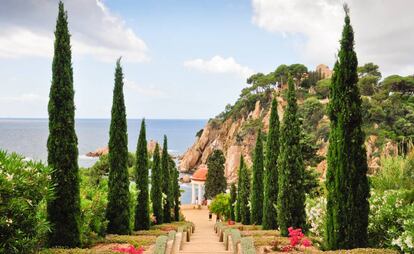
[28, 137]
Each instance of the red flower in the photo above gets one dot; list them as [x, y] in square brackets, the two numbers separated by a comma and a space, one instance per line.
[296, 237]
[306, 242]
[130, 250]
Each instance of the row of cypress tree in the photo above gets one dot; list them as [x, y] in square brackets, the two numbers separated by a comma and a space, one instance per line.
[64, 209]
[165, 189]
[283, 194]
[276, 197]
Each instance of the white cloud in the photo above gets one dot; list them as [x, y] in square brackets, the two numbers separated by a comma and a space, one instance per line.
[27, 30]
[384, 30]
[144, 90]
[218, 64]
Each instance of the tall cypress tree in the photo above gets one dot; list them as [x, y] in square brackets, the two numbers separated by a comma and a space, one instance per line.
[233, 199]
[117, 212]
[142, 219]
[346, 180]
[175, 185]
[239, 183]
[244, 195]
[166, 189]
[64, 210]
[291, 195]
[156, 186]
[216, 182]
[257, 184]
[271, 173]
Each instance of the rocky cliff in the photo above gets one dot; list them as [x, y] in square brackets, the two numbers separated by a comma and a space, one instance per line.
[232, 136]
[235, 138]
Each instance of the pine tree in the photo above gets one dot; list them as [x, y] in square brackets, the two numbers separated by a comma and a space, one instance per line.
[175, 189]
[233, 199]
[346, 180]
[166, 189]
[271, 173]
[216, 182]
[237, 208]
[156, 186]
[142, 219]
[291, 195]
[64, 210]
[257, 184]
[244, 195]
[117, 212]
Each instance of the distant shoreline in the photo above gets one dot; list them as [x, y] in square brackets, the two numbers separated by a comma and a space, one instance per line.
[152, 119]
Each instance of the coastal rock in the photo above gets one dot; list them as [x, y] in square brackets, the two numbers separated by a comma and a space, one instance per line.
[151, 146]
[186, 179]
[232, 163]
[98, 152]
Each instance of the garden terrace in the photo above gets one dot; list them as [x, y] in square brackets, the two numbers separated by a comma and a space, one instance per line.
[144, 238]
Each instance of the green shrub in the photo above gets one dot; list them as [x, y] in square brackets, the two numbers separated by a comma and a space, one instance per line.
[221, 205]
[395, 173]
[101, 168]
[93, 205]
[25, 187]
[315, 215]
[311, 113]
[322, 88]
[366, 85]
[391, 220]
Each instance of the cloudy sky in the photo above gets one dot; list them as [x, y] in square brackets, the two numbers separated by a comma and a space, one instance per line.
[185, 58]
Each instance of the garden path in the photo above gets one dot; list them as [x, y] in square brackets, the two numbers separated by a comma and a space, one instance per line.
[204, 239]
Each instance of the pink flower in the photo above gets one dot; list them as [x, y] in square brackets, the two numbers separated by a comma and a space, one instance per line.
[306, 242]
[130, 250]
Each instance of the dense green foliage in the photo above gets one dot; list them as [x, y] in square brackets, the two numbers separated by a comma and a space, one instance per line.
[260, 89]
[101, 168]
[346, 180]
[216, 181]
[221, 205]
[156, 186]
[291, 195]
[256, 199]
[396, 173]
[174, 173]
[244, 195]
[166, 182]
[118, 211]
[391, 220]
[142, 219]
[25, 189]
[239, 183]
[322, 88]
[391, 216]
[94, 200]
[233, 200]
[271, 173]
[64, 209]
[312, 78]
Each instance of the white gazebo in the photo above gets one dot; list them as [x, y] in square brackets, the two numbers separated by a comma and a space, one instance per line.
[198, 179]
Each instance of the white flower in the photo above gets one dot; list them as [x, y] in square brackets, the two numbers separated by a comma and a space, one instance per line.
[9, 176]
[9, 222]
[409, 242]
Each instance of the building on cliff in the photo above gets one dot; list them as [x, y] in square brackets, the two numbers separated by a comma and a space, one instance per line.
[324, 70]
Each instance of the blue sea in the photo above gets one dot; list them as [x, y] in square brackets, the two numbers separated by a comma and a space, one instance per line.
[29, 137]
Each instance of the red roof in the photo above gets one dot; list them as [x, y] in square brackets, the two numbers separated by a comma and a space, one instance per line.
[201, 173]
